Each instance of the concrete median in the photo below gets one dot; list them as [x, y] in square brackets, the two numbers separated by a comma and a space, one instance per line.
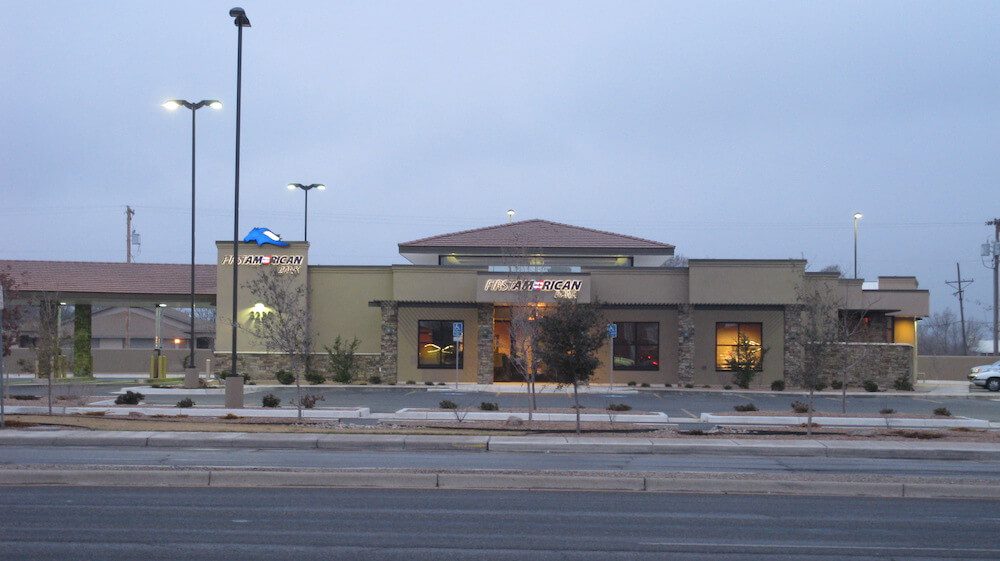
[384, 480]
[517, 481]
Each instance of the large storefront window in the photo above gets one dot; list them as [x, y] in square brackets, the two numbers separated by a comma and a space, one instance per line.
[727, 338]
[435, 347]
[637, 346]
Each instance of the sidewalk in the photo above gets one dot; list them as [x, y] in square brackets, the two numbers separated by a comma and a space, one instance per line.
[916, 450]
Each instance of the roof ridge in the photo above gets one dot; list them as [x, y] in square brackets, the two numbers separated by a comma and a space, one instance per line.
[432, 239]
[471, 230]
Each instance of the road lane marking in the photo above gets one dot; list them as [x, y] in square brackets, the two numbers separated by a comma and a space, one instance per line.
[690, 414]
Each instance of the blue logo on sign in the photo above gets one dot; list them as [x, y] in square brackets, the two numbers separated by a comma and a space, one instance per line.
[262, 236]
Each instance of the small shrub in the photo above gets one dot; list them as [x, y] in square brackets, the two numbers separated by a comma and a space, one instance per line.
[688, 385]
[440, 383]
[869, 386]
[778, 386]
[837, 385]
[902, 384]
[668, 385]
[284, 377]
[644, 385]
[727, 387]
[308, 401]
[887, 411]
[631, 383]
[95, 413]
[129, 398]
[428, 383]
[25, 397]
[229, 417]
[489, 406]
[745, 408]
[314, 377]
[706, 386]
[391, 383]
[186, 402]
[819, 386]
[270, 400]
[375, 380]
[800, 407]
[619, 407]
[447, 404]
[25, 366]
[223, 374]
[942, 412]
[410, 382]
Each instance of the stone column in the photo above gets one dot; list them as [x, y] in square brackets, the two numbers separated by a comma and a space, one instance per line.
[794, 358]
[685, 343]
[390, 341]
[484, 343]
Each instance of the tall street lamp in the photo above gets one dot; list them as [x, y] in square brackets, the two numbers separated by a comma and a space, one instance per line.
[857, 217]
[240, 20]
[306, 188]
[173, 105]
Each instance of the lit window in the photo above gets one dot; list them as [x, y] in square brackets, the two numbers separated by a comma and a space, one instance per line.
[637, 346]
[435, 347]
[727, 338]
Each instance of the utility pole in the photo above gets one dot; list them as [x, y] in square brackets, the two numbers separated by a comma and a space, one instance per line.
[129, 213]
[996, 284]
[959, 286]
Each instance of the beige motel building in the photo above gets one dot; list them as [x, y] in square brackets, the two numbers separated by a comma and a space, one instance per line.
[675, 324]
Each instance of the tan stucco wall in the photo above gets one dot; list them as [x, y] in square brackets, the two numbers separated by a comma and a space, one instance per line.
[956, 368]
[704, 343]
[407, 364]
[637, 286]
[340, 304]
[245, 300]
[433, 284]
[745, 282]
[667, 373]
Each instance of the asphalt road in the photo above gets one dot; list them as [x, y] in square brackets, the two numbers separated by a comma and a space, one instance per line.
[291, 459]
[682, 403]
[111, 524]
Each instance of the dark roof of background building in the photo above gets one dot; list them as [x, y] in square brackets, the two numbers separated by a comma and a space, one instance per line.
[536, 233]
[85, 277]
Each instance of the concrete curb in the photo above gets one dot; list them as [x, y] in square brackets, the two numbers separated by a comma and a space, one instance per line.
[914, 450]
[487, 481]
[879, 422]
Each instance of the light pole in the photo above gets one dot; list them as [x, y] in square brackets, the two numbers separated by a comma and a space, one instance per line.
[173, 105]
[306, 188]
[857, 218]
[240, 20]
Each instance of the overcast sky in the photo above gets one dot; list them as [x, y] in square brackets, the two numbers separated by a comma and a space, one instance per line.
[729, 129]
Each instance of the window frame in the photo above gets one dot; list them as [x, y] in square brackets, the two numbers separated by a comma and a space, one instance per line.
[635, 347]
[460, 359]
[739, 325]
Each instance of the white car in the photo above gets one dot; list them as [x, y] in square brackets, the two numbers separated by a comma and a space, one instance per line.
[986, 376]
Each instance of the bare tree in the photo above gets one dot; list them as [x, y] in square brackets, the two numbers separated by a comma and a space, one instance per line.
[677, 260]
[941, 334]
[524, 315]
[284, 326]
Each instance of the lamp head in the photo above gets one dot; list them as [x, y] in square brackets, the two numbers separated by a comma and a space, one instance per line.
[213, 103]
[292, 186]
[161, 305]
[240, 17]
[321, 187]
[858, 216]
[172, 104]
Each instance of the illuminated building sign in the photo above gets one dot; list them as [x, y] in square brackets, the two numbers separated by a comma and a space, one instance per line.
[284, 263]
[517, 285]
[261, 236]
[492, 288]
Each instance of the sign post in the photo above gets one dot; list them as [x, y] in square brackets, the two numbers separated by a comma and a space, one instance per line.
[456, 335]
[612, 333]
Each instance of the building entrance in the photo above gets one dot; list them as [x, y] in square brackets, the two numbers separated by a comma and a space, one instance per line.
[512, 329]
